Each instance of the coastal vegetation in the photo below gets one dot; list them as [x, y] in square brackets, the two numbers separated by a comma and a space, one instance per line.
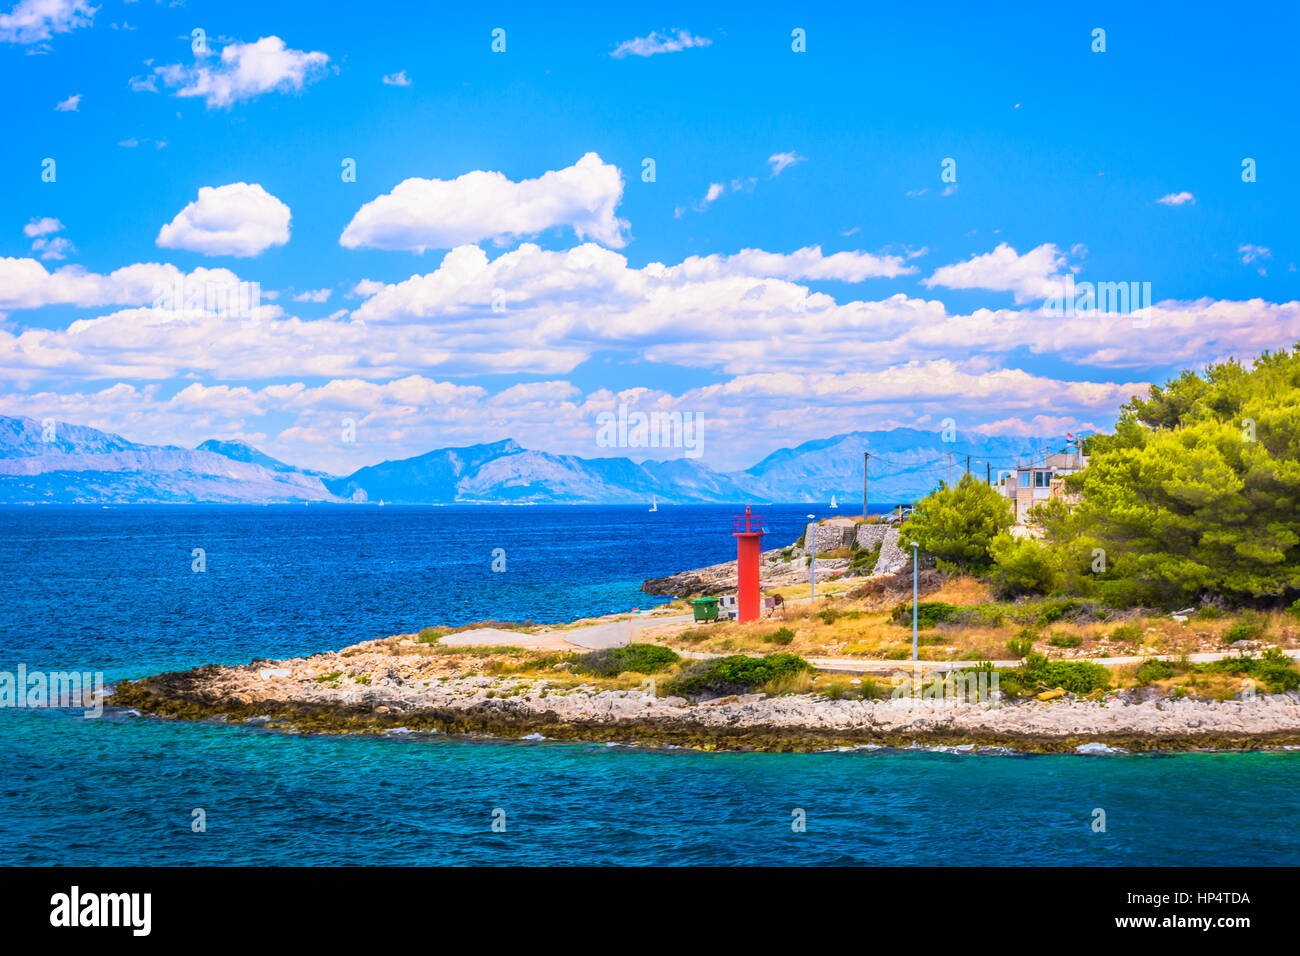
[635, 658]
[1193, 501]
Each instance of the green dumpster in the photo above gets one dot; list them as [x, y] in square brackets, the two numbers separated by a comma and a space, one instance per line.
[706, 609]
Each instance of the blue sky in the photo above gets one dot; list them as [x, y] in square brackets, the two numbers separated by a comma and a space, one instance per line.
[933, 309]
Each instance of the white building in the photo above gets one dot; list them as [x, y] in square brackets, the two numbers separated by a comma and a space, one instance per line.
[1030, 485]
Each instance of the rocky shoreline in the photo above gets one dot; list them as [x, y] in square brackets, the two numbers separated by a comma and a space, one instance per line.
[409, 694]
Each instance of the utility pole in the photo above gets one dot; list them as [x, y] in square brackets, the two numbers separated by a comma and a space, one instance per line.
[915, 558]
[950, 469]
[866, 455]
[988, 474]
[968, 465]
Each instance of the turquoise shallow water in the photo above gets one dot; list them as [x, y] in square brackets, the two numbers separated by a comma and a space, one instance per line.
[122, 790]
[113, 591]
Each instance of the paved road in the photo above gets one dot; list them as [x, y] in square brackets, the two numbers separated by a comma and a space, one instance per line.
[593, 636]
[617, 633]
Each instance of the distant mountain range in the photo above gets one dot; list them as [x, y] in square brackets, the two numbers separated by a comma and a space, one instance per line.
[74, 464]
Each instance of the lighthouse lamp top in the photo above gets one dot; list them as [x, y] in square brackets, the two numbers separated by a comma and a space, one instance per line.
[748, 523]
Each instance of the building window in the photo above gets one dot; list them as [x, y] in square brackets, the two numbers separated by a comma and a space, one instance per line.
[1042, 479]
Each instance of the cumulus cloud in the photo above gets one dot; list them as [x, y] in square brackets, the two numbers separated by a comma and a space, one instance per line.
[783, 161]
[422, 214]
[1176, 199]
[26, 284]
[313, 295]
[36, 21]
[239, 219]
[805, 263]
[245, 71]
[1035, 275]
[69, 105]
[42, 227]
[670, 42]
[55, 247]
[396, 79]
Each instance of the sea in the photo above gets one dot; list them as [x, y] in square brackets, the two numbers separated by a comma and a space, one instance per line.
[134, 590]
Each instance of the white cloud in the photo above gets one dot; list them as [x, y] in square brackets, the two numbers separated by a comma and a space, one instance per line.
[42, 227]
[782, 161]
[69, 105]
[1035, 275]
[26, 284]
[422, 214]
[56, 247]
[806, 263]
[35, 21]
[313, 295]
[1249, 253]
[396, 79]
[656, 42]
[239, 219]
[1177, 199]
[246, 70]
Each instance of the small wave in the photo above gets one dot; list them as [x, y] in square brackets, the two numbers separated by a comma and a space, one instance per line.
[534, 737]
[1096, 747]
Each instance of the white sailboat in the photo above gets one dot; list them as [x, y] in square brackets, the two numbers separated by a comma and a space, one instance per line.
[654, 503]
[833, 504]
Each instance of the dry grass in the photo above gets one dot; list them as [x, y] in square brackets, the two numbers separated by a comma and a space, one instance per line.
[838, 626]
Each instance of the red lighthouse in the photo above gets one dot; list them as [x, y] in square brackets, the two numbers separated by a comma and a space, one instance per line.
[747, 529]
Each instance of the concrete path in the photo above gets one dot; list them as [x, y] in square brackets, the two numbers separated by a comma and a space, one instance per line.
[590, 637]
[618, 633]
[495, 637]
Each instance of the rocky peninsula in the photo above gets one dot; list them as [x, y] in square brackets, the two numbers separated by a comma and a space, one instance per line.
[402, 684]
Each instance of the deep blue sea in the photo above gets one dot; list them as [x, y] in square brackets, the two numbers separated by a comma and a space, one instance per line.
[113, 590]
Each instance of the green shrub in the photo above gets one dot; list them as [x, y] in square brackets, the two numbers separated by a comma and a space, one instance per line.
[1293, 608]
[1077, 677]
[1022, 566]
[1273, 668]
[1126, 634]
[1022, 645]
[829, 615]
[1153, 670]
[737, 674]
[1277, 671]
[1065, 640]
[1250, 627]
[928, 613]
[781, 636]
[864, 559]
[638, 658]
[979, 615]
[430, 635]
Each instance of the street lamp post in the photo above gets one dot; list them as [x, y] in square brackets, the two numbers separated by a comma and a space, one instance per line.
[914, 560]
